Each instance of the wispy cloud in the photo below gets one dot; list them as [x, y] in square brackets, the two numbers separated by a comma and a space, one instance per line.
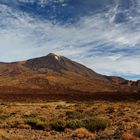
[95, 41]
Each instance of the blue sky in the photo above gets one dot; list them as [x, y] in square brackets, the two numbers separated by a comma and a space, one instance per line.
[101, 34]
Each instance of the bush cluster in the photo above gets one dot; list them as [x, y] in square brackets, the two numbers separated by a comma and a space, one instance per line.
[35, 123]
[92, 124]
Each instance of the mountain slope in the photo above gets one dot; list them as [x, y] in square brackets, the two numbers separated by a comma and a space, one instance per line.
[61, 64]
[52, 70]
[55, 75]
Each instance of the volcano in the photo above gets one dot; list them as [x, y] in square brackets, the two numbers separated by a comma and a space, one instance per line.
[61, 64]
[56, 69]
[57, 76]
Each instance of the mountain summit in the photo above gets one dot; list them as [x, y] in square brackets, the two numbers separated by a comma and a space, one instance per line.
[51, 61]
[61, 64]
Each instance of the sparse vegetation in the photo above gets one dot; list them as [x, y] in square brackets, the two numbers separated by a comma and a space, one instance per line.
[127, 136]
[90, 124]
[110, 109]
[3, 135]
[83, 133]
[35, 123]
[69, 120]
[61, 107]
[4, 116]
[74, 124]
[73, 114]
[59, 125]
[96, 124]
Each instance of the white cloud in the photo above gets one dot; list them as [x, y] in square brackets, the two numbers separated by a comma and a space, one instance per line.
[94, 41]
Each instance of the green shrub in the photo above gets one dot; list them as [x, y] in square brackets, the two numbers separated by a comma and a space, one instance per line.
[92, 124]
[35, 123]
[74, 124]
[58, 125]
[95, 124]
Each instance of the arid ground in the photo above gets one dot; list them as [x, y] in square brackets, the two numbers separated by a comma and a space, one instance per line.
[60, 120]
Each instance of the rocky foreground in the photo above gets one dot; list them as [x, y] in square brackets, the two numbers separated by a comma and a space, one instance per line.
[97, 120]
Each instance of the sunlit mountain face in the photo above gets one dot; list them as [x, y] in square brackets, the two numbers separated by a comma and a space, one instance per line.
[102, 34]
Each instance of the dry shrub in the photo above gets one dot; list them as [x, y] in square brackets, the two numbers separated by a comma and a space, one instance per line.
[136, 131]
[83, 133]
[16, 137]
[14, 123]
[3, 135]
[127, 136]
[24, 126]
[61, 107]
